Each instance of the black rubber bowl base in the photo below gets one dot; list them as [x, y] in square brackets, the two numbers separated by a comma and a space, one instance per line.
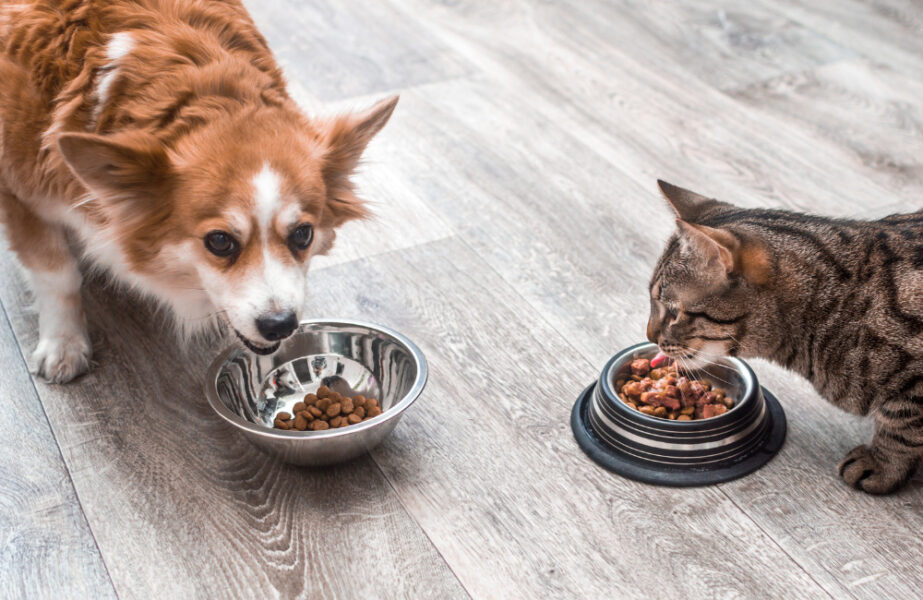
[627, 466]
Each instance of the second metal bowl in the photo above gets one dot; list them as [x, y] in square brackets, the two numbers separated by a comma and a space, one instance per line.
[679, 453]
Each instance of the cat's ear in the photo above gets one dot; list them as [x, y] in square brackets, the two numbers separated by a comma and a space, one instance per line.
[686, 204]
[716, 246]
[727, 254]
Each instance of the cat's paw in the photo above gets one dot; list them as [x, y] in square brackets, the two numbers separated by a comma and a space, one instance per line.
[59, 359]
[866, 469]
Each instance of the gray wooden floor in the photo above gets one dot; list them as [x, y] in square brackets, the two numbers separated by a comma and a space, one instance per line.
[517, 224]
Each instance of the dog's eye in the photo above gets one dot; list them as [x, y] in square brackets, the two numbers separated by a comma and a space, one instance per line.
[220, 243]
[302, 236]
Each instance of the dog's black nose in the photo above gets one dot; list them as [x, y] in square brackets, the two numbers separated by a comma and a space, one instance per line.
[277, 326]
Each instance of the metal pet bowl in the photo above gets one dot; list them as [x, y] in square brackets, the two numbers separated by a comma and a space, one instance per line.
[679, 453]
[350, 357]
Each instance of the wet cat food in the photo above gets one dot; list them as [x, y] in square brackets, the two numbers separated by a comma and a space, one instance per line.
[327, 410]
[663, 391]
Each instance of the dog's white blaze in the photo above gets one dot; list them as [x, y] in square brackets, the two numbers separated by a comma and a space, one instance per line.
[267, 198]
[119, 46]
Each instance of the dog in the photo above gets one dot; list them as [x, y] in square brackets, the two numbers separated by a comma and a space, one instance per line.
[155, 140]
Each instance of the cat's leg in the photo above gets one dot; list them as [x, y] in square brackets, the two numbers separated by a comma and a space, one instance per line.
[63, 350]
[896, 449]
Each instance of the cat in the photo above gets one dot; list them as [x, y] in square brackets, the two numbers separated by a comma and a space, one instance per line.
[838, 301]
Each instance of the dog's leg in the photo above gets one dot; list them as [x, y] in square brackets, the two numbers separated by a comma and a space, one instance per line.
[63, 350]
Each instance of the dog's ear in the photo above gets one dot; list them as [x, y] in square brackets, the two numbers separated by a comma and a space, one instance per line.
[118, 165]
[344, 139]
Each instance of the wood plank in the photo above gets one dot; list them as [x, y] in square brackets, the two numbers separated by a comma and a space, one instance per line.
[182, 506]
[486, 461]
[869, 110]
[724, 43]
[46, 548]
[545, 64]
[340, 50]
[884, 31]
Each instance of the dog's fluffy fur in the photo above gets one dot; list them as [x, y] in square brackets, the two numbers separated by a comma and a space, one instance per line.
[134, 128]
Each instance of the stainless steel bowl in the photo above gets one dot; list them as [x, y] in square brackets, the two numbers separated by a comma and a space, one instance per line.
[680, 453]
[350, 357]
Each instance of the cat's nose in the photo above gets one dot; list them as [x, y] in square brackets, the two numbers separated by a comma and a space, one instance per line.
[651, 332]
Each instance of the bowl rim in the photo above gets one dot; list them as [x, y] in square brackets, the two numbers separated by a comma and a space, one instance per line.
[211, 390]
[751, 391]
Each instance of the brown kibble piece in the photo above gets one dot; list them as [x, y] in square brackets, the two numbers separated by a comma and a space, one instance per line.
[299, 406]
[323, 391]
[359, 400]
[660, 411]
[334, 409]
[371, 403]
[282, 424]
[347, 405]
[335, 421]
[283, 416]
[318, 425]
[359, 412]
[374, 412]
[306, 415]
[648, 410]
[301, 423]
[353, 419]
[323, 403]
[684, 418]
[310, 399]
[315, 411]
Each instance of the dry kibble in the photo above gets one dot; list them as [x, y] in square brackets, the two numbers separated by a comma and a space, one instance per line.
[684, 418]
[330, 411]
[648, 410]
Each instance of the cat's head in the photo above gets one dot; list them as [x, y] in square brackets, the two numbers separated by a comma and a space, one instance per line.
[707, 282]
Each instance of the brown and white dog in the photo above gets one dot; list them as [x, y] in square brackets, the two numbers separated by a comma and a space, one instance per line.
[157, 138]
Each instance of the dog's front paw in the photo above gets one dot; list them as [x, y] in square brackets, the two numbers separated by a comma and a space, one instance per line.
[61, 359]
[866, 469]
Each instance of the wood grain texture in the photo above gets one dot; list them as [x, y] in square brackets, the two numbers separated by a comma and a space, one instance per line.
[487, 464]
[182, 507]
[885, 31]
[864, 107]
[46, 548]
[518, 223]
[723, 43]
[342, 50]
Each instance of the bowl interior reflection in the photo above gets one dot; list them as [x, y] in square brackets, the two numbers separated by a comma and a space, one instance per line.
[351, 360]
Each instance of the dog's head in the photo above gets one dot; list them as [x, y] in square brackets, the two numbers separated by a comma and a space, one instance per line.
[226, 220]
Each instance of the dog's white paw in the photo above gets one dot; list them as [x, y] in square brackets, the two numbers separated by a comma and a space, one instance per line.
[59, 359]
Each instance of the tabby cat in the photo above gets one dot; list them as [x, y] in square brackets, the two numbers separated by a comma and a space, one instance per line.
[838, 301]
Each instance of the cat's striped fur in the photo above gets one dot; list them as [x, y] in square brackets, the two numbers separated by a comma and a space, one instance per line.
[837, 301]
